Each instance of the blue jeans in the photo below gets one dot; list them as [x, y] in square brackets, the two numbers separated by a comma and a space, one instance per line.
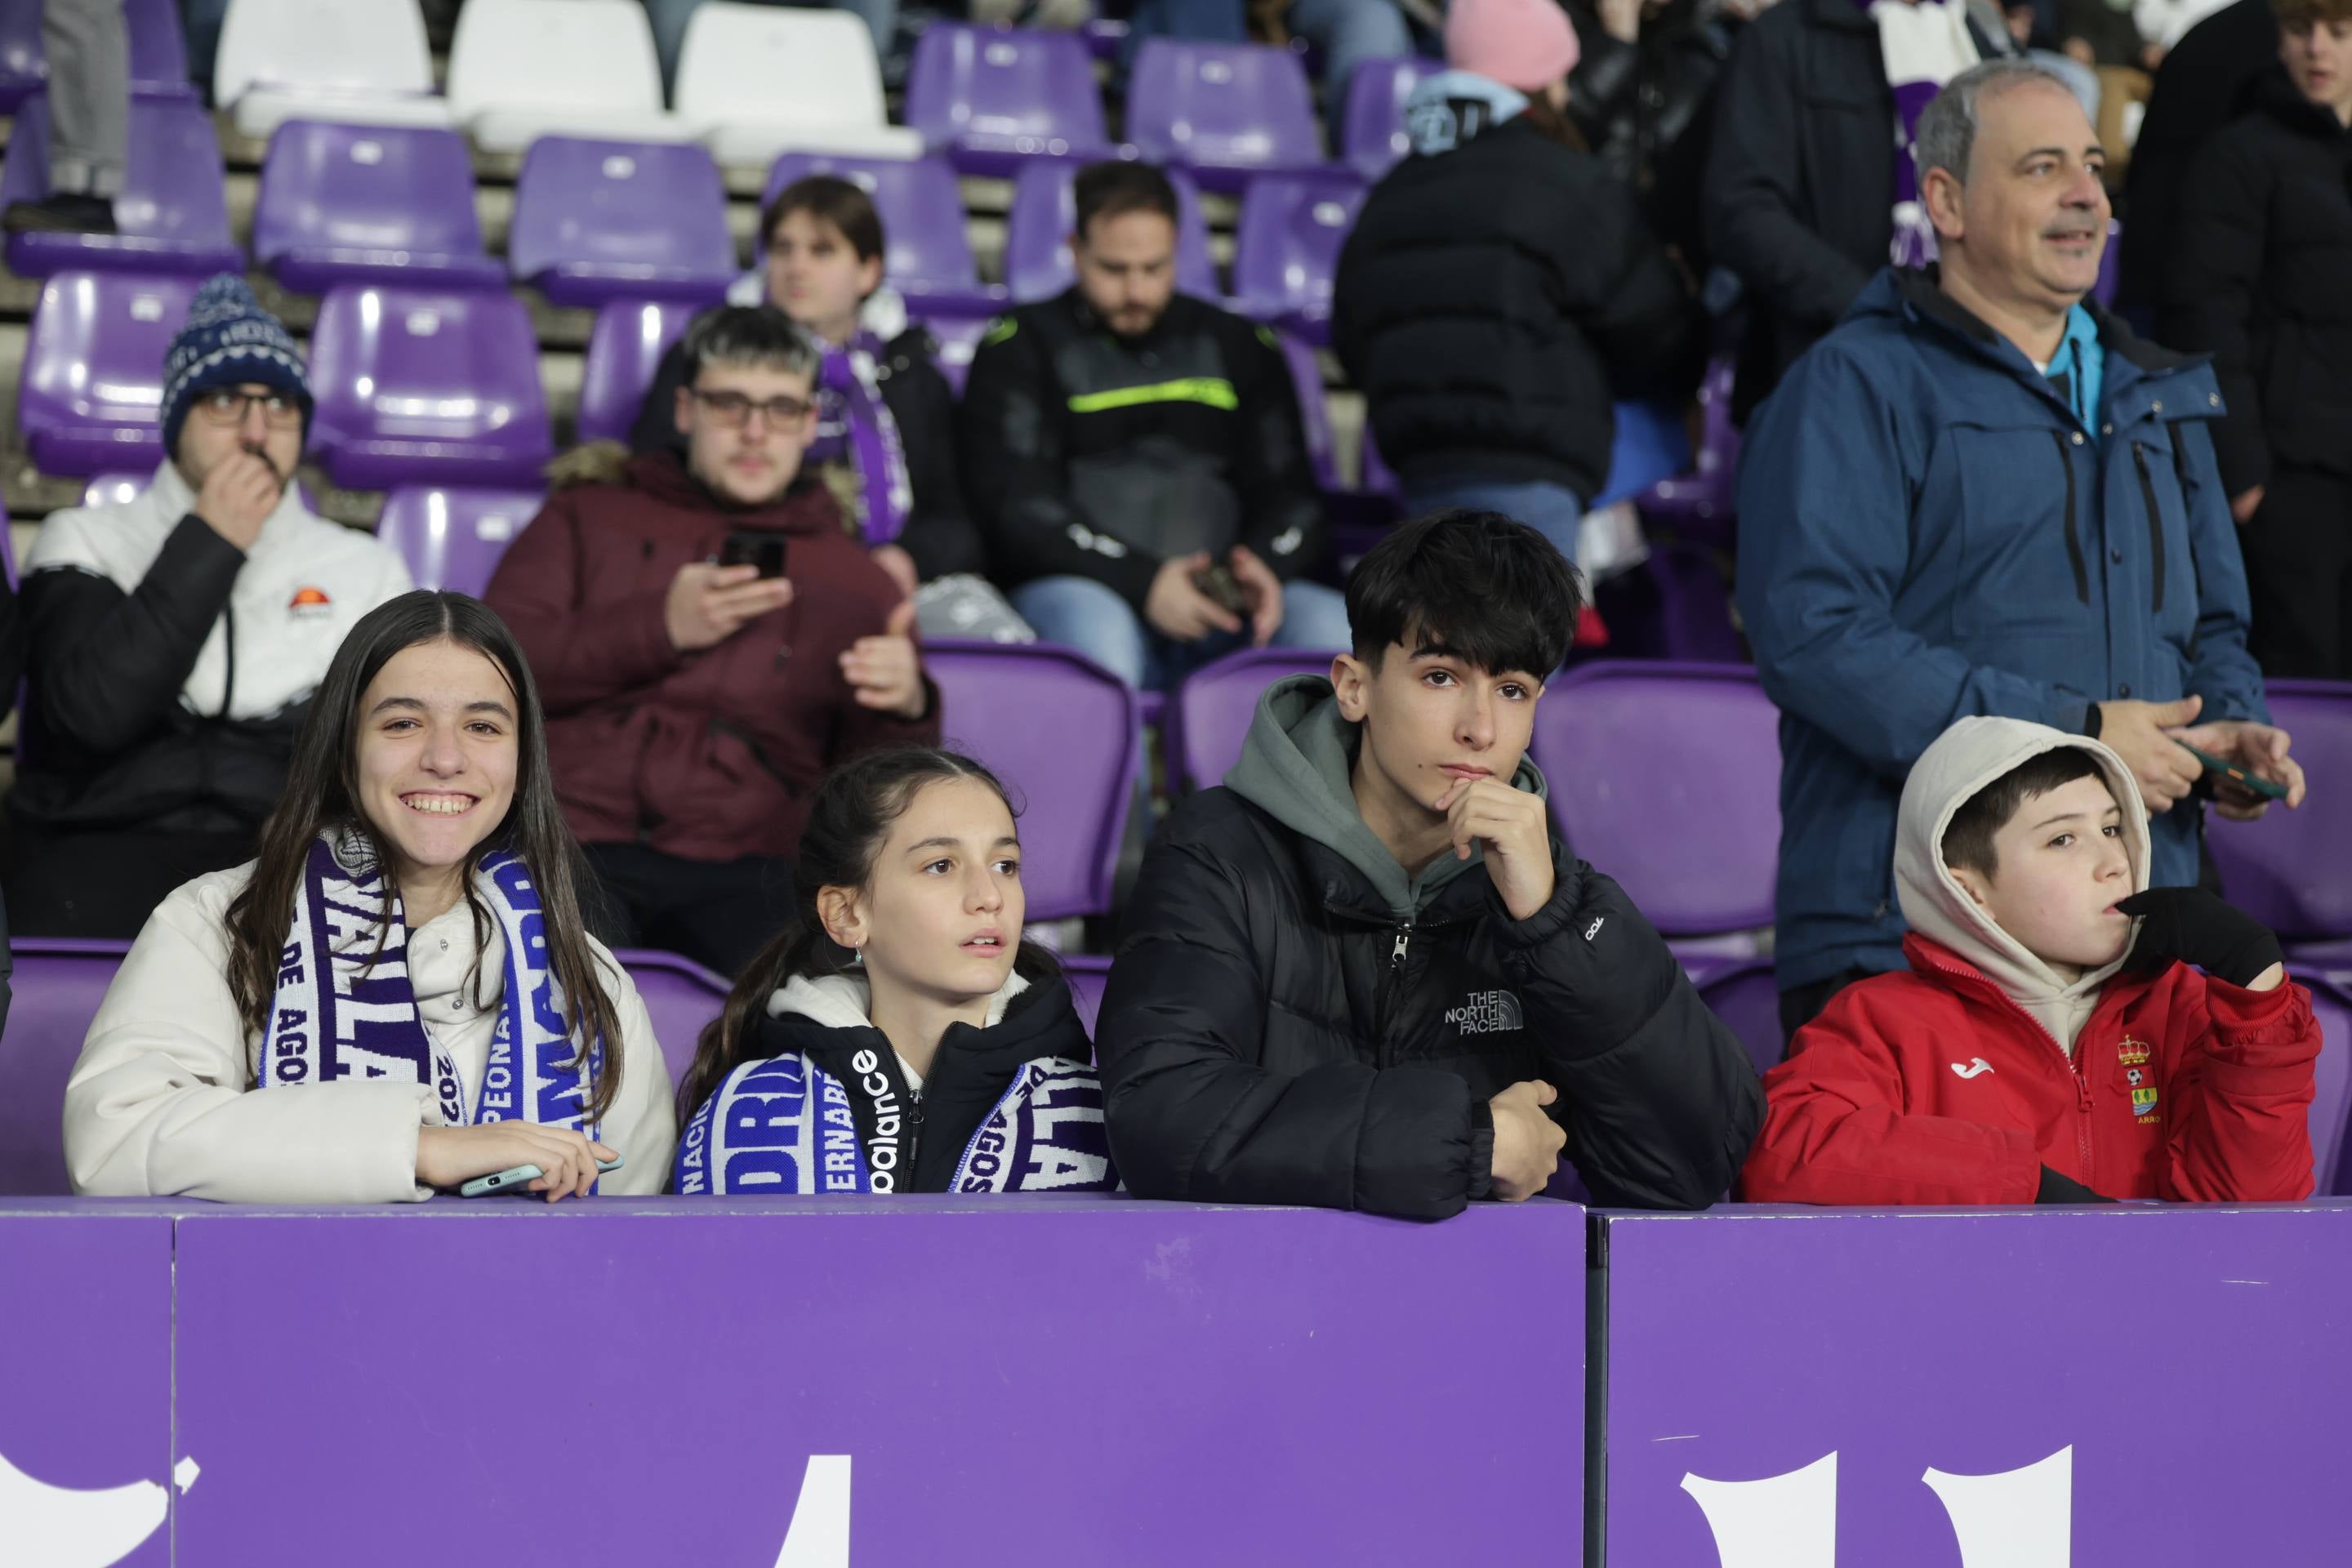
[1550, 510]
[1082, 614]
[669, 18]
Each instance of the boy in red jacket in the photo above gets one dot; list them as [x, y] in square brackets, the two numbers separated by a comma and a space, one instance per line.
[2051, 1042]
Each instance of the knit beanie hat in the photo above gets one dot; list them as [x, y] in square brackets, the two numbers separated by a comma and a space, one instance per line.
[1523, 43]
[229, 340]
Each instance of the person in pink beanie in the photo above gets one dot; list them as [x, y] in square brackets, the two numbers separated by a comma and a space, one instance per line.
[1502, 289]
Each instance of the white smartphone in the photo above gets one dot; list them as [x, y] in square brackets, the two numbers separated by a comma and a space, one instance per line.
[514, 1177]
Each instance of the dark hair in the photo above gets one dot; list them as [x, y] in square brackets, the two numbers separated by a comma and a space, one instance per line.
[2310, 13]
[322, 796]
[1555, 123]
[849, 819]
[828, 199]
[1968, 840]
[1114, 189]
[1485, 587]
[749, 336]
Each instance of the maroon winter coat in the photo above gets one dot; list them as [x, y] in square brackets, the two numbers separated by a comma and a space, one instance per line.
[708, 755]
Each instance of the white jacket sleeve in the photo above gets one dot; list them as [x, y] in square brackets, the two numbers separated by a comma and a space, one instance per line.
[643, 1122]
[157, 1106]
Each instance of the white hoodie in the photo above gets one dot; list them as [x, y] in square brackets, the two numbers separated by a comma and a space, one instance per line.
[158, 1107]
[1966, 758]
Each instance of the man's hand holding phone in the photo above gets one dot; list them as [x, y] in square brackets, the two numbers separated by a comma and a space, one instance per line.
[709, 603]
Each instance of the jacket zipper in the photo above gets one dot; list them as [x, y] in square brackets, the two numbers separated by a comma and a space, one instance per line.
[2072, 1060]
[2155, 521]
[2073, 538]
[1396, 952]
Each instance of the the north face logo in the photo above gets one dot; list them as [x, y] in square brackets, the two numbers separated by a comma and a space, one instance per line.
[1486, 1013]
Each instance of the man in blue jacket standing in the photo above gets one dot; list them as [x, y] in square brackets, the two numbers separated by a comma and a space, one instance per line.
[1983, 494]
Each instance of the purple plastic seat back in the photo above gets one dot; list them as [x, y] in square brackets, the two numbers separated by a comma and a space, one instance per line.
[1374, 477]
[1314, 411]
[681, 996]
[1062, 732]
[992, 98]
[172, 214]
[1698, 505]
[2293, 870]
[2111, 276]
[359, 204]
[1226, 111]
[1038, 264]
[1371, 136]
[603, 220]
[1747, 999]
[159, 49]
[92, 386]
[2331, 1104]
[927, 256]
[624, 349]
[1215, 707]
[1087, 974]
[23, 59]
[57, 988]
[958, 338]
[452, 537]
[425, 385]
[1661, 775]
[1287, 247]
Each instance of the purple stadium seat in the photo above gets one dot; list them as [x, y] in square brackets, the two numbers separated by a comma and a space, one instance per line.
[1743, 994]
[992, 99]
[434, 387]
[1374, 476]
[603, 220]
[1372, 137]
[93, 376]
[1698, 505]
[1226, 111]
[369, 204]
[172, 214]
[23, 59]
[2111, 277]
[624, 350]
[159, 49]
[1661, 774]
[929, 259]
[1103, 37]
[1211, 711]
[1062, 734]
[57, 987]
[1286, 247]
[2293, 870]
[1088, 972]
[1038, 264]
[1314, 412]
[2331, 1106]
[453, 538]
[956, 338]
[681, 996]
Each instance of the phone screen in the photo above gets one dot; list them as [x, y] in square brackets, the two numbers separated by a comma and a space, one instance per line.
[754, 547]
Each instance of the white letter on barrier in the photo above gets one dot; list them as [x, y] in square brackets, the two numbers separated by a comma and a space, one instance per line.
[2017, 1519]
[819, 1536]
[1781, 1521]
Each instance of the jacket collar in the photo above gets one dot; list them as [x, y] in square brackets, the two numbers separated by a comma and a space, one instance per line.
[1921, 289]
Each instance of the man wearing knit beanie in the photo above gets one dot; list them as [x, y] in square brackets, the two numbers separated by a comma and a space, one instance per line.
[173, 640]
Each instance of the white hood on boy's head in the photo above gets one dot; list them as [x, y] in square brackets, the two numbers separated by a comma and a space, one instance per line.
[1966, 758]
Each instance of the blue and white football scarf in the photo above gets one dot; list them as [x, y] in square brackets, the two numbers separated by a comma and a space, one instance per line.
[344, 1008]
[784, 1125]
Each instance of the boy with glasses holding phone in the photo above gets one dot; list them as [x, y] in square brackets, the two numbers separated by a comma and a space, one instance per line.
[710, 640]
[173, 640]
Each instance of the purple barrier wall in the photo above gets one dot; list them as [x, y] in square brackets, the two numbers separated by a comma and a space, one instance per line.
[1013, 1381]
[86, 1458]
[2164, 1388]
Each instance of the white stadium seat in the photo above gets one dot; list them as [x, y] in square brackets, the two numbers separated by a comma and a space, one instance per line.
[351, 61]
[520, 69]
[764, 79]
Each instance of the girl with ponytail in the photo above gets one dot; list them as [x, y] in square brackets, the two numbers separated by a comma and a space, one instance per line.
[898, 1034]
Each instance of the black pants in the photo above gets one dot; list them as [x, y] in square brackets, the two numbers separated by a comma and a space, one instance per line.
[2298, 552]
[106, 884]
[718, 912]
[1800, 1004]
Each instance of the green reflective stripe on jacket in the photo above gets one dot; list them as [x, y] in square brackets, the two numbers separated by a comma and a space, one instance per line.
[1214, 391]
[999, 330]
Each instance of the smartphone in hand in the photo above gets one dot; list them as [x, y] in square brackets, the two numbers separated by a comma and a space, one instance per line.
[759, 547]
[514, 1178]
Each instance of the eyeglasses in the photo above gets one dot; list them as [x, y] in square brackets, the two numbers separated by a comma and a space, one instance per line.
[735, 407]
[227, 405]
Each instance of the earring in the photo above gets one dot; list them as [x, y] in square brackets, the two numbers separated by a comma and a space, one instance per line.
[857, 957]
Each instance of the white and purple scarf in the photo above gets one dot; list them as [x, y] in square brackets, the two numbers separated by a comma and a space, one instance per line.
[854, 425]
[1924, 44]
[783, 1125]
[344, 1009]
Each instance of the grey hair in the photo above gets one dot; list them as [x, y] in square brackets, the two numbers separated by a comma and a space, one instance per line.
[758, 335]
[1948, 126]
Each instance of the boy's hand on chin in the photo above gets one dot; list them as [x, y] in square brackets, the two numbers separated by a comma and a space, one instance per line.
[1511, 824]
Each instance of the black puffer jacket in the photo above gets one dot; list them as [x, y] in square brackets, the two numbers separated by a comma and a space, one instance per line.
[2261, 279]
[2208, 80]
[939, 536]
[1275, 1032]
[1497, 296]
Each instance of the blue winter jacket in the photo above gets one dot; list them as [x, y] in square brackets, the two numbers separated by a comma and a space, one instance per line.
[1926, 533]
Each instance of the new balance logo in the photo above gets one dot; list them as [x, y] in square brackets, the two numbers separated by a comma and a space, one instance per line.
[2013, 1518]
[1486, 1013]
[1972, 1069]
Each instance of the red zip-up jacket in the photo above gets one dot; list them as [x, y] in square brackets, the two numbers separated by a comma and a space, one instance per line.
[1933, 1087]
